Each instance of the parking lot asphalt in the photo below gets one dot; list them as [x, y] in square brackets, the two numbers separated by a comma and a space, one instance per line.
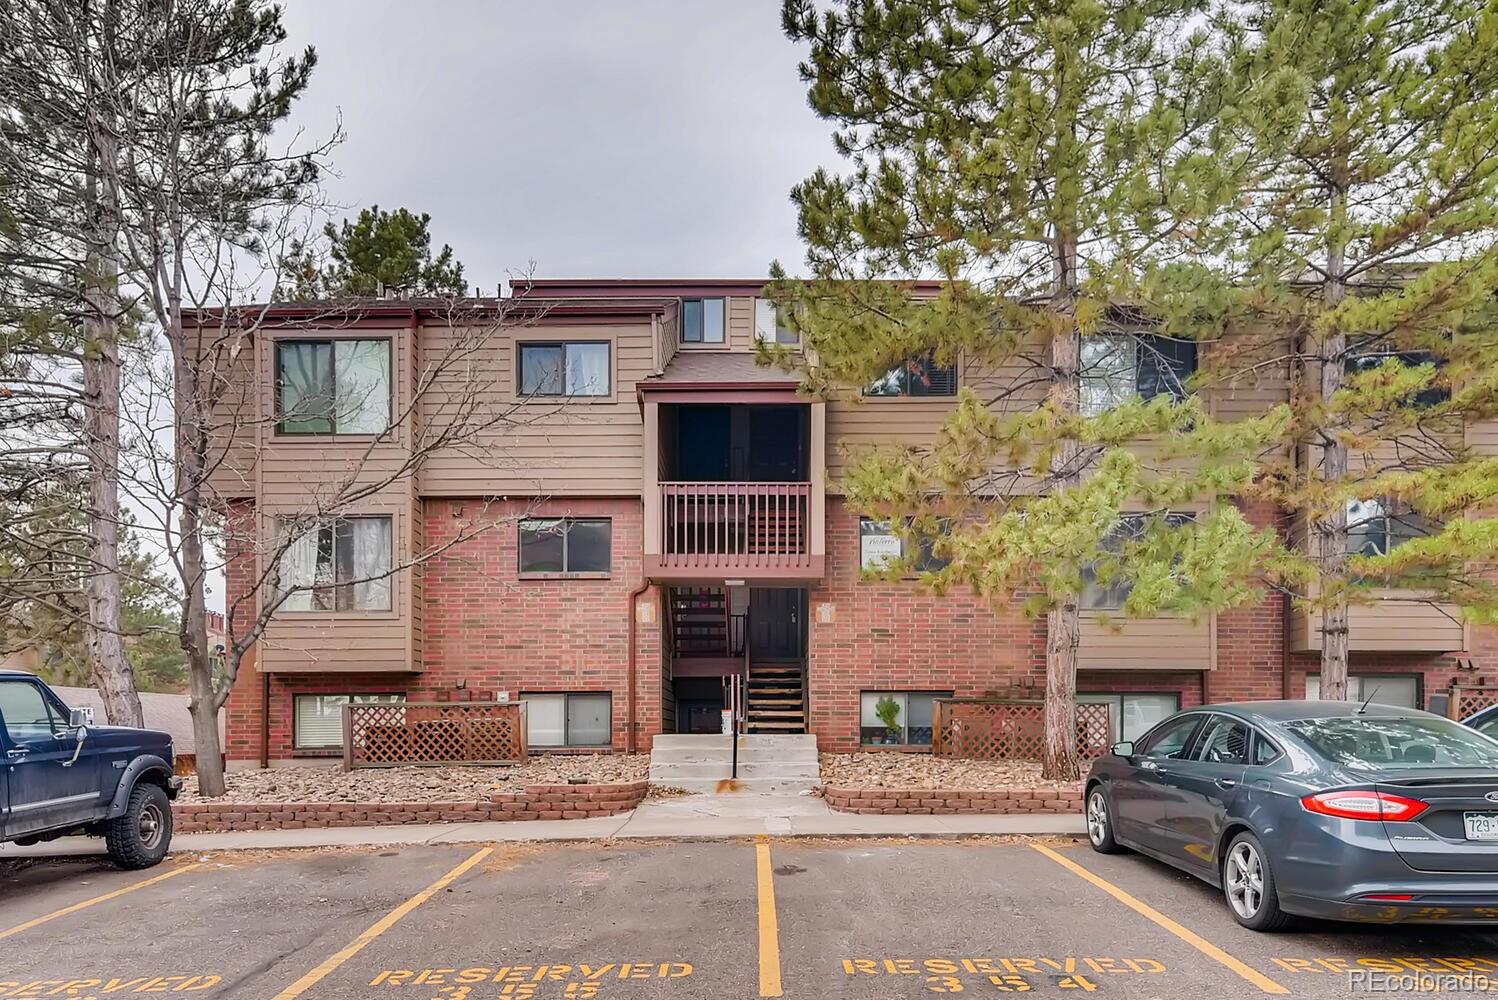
[641, 920]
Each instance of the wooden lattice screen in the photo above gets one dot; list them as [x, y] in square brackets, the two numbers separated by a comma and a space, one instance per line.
[390, 734]
[1466, 700]
[993, 729]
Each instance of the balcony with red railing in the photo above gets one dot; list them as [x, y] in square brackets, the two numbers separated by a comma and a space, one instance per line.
[749, 531]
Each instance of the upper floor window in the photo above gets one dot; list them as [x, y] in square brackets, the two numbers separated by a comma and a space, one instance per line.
[342, 565]
[769, 328]
[566, 545]
[1118, 367]
[702, 321]
[565, 368]
[916, 376]
[1364, 361]
[1098, 596]
[1376, 527]
[332, 386]
[880, 547]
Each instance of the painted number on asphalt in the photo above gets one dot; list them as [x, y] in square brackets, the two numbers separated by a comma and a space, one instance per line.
[573, 982]
[97, 989]
[1005, 975]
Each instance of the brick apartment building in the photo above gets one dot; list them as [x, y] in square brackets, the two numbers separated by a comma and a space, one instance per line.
[655, 486]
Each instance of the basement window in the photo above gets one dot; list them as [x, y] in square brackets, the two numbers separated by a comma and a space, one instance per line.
[317, 719]
[1130, 716]
[1401, 690]
[568, 719]
[913, 717]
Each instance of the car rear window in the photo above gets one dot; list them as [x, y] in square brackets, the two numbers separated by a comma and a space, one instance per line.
[1385, 742]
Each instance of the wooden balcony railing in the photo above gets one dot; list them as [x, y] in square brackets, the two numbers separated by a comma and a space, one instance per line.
[735, 527]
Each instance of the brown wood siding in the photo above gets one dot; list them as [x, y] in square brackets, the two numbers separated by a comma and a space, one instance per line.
[1393, 625]
[348, 641]
[1146, 644]
[856, 423]
[235, 433]
[554, 448]
[294, 470]
[740, 312]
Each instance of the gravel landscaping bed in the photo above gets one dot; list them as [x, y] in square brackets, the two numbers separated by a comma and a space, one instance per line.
[421, 784]
[920, 770]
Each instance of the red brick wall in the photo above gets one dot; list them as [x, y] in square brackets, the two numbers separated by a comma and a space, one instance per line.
[491, 631]
[894, 636]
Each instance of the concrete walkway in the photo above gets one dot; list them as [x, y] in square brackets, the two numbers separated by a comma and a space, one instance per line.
[691, 817]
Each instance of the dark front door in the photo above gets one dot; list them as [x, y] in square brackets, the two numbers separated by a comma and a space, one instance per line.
[777, 623]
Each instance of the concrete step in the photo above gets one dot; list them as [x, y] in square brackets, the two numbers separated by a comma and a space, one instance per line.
[746, 786]
[802, 741]
[677, 758]
[798, 771]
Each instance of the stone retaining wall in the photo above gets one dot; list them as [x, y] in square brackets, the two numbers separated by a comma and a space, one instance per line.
[536, 802]
[1064, 798]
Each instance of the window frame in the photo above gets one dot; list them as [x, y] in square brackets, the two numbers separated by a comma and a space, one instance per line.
[1390, 514]
[777, 335]
[702, 343]
[905, 694]
[567, 743]
[300, 749]
[1139, 342]
[335, 587]
[332, 342]
[1363, 678]
[926, 562]
[1089, 571]
[563, 345]
[564, 573]
[927, 361]
[1422, 400]
[1096, 696]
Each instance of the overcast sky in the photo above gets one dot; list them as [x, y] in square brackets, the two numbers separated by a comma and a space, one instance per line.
[639, 138]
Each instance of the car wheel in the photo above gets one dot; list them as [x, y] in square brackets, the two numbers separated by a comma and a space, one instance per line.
[1248, 884]
[1100, 823]
[140, 838]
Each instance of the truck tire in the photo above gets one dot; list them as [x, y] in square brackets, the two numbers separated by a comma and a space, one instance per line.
[140, 838]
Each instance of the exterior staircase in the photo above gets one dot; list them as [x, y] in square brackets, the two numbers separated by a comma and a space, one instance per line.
[768, 764]
[700, 622]
[775, 699]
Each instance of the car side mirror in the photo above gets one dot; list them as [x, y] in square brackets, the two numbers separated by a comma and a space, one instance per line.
[1124, 748]
[80, 718]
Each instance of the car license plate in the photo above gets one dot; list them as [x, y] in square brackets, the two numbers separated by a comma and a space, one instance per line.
[1481, 826]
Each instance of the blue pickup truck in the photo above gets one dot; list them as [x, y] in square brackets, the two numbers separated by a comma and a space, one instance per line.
[61, 775]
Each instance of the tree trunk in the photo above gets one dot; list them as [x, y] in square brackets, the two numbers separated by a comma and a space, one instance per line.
[1330, 531]
[114, 674]
[191, 402]
[1063, 634]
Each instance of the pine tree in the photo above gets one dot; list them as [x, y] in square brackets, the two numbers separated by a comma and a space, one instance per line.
[1362, 246]
[1037, 159]
[375, 253]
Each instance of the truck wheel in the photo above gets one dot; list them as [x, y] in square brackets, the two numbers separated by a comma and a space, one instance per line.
[140, 838]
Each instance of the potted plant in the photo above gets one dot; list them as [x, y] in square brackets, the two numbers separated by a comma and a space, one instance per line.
[888, 711]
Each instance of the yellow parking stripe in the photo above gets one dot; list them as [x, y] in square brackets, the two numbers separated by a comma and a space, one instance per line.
[18, 928]
[379, 927]
[769, 924]
[1196, 941]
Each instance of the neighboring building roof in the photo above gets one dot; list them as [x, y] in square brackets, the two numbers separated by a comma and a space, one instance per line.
[351, 312]
[692, 369]
[165, 712]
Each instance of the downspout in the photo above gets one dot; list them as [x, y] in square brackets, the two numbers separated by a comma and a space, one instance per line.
[264, 720]
[634, 595]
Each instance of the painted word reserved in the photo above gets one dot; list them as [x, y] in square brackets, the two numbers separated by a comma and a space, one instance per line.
[93, 989]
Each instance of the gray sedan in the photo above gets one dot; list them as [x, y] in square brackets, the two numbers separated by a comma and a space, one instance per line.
[1321, 808]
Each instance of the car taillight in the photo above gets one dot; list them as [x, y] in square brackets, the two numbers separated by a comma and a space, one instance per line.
[1364, 805]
